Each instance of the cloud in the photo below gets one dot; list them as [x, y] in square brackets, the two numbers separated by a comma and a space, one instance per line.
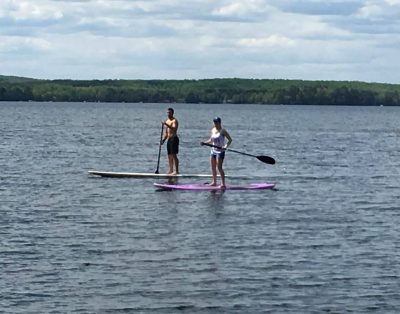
[245, 11]
[265, 42]
[303, 39]
[28, 10]
[374, 17]
[27, 45]
[317, 7]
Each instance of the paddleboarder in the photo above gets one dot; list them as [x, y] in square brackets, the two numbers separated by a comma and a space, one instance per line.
[171, 136]
[217, 138]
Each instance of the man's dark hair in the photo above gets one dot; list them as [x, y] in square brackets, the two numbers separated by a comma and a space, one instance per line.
[172, 110]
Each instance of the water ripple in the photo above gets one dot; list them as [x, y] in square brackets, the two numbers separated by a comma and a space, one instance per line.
[326, 240]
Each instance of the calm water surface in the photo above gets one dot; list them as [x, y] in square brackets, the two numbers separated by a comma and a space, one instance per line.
[327, 240]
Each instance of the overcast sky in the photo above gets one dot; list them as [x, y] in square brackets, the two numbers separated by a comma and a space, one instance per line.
[195, 39]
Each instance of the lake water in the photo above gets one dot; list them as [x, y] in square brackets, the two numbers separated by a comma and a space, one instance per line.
[327, 240]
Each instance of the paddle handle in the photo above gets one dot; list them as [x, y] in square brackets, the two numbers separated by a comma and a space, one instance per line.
[211, 145]
[159, 148]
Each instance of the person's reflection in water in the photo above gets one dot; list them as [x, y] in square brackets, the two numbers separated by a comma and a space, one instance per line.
[172, 180]
[216, 201]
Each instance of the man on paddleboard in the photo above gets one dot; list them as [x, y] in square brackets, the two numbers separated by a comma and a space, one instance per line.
[171, 136]
[217, 138]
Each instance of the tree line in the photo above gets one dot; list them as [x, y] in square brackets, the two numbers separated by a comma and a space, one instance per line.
[225, 90]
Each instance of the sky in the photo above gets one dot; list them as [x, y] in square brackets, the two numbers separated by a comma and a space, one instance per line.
[343, 40]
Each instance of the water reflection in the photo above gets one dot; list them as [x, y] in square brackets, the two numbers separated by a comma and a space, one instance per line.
[216, 201]
[173, 180]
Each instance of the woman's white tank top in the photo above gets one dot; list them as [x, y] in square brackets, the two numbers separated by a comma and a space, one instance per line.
[218, 139]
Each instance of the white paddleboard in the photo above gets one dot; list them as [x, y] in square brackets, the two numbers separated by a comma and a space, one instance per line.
[139, 175]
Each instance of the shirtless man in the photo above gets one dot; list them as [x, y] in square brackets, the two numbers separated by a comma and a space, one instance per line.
[170, 134]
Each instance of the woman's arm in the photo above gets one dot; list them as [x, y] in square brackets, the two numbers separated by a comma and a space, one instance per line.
[228, 137]
[209, 141]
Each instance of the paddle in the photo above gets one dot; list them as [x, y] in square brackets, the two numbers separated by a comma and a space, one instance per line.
[266, 159]
[159, 148]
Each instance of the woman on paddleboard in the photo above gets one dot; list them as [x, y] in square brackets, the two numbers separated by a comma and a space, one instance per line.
[217, 139]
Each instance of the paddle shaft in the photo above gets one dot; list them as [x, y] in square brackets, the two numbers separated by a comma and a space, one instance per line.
[229, 149]
[159, 148]
[266, 159]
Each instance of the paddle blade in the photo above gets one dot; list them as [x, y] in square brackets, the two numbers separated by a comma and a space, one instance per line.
[266, 159]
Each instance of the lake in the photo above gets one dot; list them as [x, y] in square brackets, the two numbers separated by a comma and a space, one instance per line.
[326, 240]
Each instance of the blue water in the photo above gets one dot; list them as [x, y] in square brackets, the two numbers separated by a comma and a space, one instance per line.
[327, 240]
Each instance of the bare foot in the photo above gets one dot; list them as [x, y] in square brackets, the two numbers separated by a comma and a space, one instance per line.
[223, 186]
[212, 184]
[174, 173]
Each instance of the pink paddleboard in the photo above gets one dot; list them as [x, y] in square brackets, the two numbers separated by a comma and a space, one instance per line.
[206, 187]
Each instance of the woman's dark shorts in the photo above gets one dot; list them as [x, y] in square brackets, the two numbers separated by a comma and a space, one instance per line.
[220, 156]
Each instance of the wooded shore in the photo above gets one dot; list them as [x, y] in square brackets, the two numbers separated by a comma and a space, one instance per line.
[223, 90]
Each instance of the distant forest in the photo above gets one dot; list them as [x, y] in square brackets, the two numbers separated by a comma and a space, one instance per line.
[225, 90]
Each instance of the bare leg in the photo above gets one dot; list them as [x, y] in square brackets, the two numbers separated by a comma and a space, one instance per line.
[214, 171]
[221, 172]
[170, 164]
[176, 162]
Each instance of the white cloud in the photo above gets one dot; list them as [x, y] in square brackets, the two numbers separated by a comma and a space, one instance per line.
[393, 2]
[377, 10]
[240, 8]
[17, 44]
[24, 10]
[303, 39]
[265, 42]
[318, 7]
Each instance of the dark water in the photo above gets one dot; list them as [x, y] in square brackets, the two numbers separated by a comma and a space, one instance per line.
[326, 241]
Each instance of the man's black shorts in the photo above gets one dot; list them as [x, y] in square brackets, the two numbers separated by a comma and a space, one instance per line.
[173, 145]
